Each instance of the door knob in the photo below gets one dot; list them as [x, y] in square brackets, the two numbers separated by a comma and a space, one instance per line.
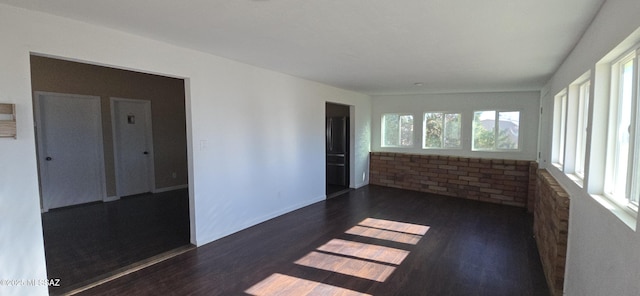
[145, 153]
[48, 158]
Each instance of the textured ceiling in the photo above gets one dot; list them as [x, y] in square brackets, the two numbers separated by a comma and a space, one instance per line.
[369, 46]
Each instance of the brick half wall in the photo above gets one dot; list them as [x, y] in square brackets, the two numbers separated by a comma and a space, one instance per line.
[491, 180]
[551, 229]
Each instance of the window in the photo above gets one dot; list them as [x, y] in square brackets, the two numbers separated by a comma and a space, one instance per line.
[620, 184]
[442, 130]
[397, 130]
[559, 128]
[495, 130]
[581, 130]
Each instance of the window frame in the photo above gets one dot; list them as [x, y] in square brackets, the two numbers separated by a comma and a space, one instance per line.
[559, 140]
[496, 131]
[444, 127]
[628, 200]
[582, 128]
[399, 144]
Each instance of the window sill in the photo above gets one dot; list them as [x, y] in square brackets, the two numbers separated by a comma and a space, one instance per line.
[627, 218]
[496, 150]
[402, 147]
[437, 148]
[575, 178]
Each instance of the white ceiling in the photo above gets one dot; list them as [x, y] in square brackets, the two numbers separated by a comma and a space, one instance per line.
[369, 46]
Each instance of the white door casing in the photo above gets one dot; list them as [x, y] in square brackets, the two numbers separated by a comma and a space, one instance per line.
[132, 146]
[70, 149]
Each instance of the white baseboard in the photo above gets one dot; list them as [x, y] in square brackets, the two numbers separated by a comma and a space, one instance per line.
[165, 189]
[111, 198]
[359, 185]
[199, 241]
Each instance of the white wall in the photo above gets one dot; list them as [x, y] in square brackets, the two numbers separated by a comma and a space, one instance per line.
[603, 253]
[255, 137]
[466, 103]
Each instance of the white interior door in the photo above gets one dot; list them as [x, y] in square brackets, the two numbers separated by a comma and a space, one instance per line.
[70, 151]
[133, 146]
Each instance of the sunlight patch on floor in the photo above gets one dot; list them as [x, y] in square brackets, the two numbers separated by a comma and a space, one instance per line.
[400, 232]
[365, 251]
[376, 233]
[362, 260]
[284, 285]
[395, 226]
[349, 266]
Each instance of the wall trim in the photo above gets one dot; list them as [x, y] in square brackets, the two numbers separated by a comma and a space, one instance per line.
[171, 188]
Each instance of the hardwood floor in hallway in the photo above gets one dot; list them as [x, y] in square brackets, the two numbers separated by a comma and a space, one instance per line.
[89, 242]
[369, 241]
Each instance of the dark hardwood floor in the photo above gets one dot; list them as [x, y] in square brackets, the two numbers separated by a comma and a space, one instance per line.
[88, 242]
[332, 189]
[336, 190]
[370, 241]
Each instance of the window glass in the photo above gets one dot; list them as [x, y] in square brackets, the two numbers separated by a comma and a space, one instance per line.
[563, 128]
[496, 130]
[442, 130]
[397, 130]
[618, 184]
[581, 133]
[484, 125]
[509, 129]
[559, 129]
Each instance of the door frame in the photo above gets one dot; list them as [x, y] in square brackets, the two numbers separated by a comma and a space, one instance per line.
[42, 168]
[350, 143]
[148, 140]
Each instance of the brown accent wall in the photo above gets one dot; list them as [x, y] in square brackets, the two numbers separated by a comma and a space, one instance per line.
[551, 229]
[491, 180]
[167, 96]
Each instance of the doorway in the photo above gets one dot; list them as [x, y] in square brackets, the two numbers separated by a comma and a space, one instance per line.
[103, 235]
[337, 148]
[132, 146]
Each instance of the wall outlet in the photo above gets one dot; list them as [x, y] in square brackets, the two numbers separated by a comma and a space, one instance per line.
[174, 175]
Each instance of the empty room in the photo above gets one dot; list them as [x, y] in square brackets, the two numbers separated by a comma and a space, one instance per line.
[278, 147]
